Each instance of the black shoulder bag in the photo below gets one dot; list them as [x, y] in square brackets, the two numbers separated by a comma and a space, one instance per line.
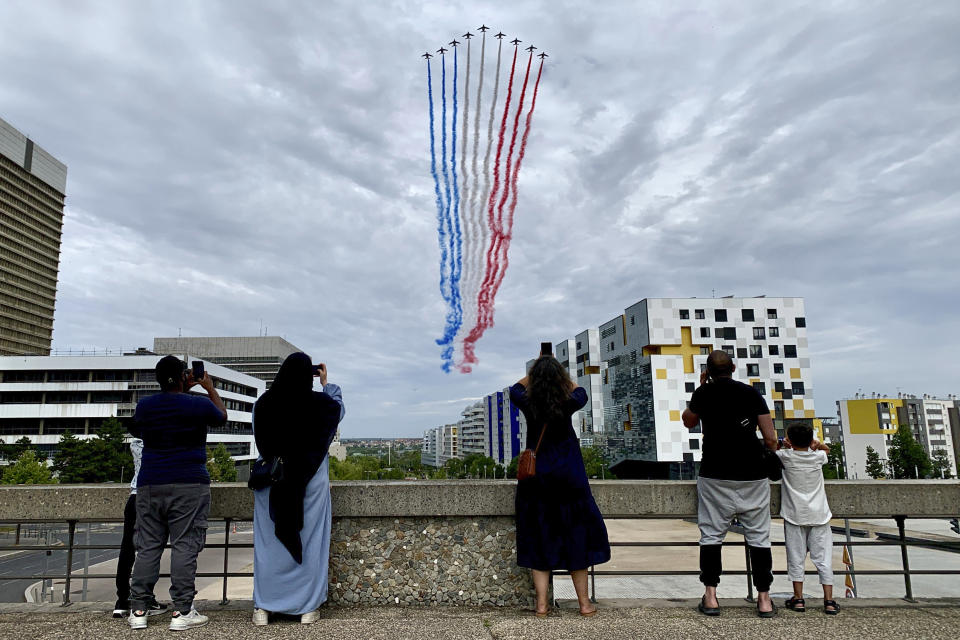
[772, 467]
[265, 472]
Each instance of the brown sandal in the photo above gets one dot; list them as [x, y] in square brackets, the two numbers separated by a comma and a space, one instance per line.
[588, 614]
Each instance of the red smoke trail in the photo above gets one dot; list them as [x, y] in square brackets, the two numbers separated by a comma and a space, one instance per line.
[469, 357]
[514, 180]
[503, 236]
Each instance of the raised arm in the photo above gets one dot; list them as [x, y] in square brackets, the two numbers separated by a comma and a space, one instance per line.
[768, 431]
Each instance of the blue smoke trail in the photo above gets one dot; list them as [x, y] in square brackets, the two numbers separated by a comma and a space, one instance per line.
[447, 354]
[441, 232]
[454, 240]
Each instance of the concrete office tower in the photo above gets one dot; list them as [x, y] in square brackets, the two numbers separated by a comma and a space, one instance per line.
[259, 356]
[439, 445]
[32, 188]
[934, 423]
[43, 397]
[644, 364]
[473, 431]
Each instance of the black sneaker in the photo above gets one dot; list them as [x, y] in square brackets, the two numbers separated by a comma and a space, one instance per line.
[155, 608]
[121, 609]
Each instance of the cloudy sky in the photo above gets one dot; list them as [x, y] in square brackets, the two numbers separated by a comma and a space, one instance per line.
[238, 163]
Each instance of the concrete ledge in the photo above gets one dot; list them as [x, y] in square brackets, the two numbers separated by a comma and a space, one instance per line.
[479, 498]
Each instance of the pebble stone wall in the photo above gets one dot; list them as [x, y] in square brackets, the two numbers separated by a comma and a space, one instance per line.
[427, 561]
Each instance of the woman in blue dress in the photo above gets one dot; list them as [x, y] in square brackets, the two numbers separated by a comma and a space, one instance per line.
[558, 523]
[291, 520]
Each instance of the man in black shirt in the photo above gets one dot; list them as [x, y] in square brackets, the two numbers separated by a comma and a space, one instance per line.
[733, 481]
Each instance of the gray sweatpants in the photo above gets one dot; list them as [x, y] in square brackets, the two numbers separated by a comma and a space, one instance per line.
[818, 540]
[720, 501]
[178, 512]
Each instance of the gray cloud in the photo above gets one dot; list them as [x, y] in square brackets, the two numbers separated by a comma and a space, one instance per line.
[231, 162]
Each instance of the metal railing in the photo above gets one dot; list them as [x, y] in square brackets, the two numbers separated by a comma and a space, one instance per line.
[70, 546]
[901, 541]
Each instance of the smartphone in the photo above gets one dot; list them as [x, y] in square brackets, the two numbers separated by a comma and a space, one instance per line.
[198, 370]
[316, 370]
[546, 349]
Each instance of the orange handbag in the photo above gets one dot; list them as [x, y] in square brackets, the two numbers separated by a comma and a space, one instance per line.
[527, 465]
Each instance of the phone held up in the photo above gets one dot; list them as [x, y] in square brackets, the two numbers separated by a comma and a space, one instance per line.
[546, 349]
[198, 370]
[316, 370]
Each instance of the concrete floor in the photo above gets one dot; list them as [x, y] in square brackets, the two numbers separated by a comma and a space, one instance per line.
[647, 619]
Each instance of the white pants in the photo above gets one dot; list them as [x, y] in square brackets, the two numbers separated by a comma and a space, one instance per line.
[818, 540]
[720, 501]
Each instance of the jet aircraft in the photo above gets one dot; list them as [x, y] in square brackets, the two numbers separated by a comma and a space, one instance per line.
[426, 55]
[516, 41]
[530, 48]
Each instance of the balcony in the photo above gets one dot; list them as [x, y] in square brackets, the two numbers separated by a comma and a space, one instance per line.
[453, 542]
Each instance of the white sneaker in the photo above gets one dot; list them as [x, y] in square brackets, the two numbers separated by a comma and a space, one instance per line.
[183, 621]
[310, 617]
[137, 621]
[261, 617]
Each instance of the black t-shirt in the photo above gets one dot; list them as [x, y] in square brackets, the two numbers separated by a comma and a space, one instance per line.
[728, 413]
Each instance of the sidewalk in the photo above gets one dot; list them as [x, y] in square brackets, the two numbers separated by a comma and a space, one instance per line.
[617, 620]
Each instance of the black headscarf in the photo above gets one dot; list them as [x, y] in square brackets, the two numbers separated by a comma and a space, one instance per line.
[293, 421]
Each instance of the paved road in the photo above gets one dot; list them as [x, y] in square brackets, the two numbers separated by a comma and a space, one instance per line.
[39, 562]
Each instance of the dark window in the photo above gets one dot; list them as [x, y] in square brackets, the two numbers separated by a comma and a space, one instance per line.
[774, 332]
[64, 425]
[753, 370]
[68, 376]
[747, 315]
[66, 397]
[720, 315]
[611, 346]
[797, 387]
[29, 426]
[23, 376]
[787, 394]
[694, 443]
[729, 333]
[741, 352]
[728, 348]
[684, 314]
[633, 320]
[21, 397]
[759, 333]
[688, 457]
[690, 387]
[578, 346]
[778, 385]
[113, 376]
[698, 314]
[777, 409]
[704, 351]
[778, 367]
[774, 350]
[801, 322]
[771, 314]
[761, 388]
[104, 397]
[756, 351]
[789, 351]
[704, 332]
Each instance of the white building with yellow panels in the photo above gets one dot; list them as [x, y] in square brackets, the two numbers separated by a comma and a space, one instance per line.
[934, 423]
[648, 363]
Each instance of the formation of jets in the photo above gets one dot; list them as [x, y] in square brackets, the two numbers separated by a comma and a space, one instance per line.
[483, 29]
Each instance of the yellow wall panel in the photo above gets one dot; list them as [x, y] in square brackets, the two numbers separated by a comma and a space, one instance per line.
[798, 404]
[795, 373]
[675, 416]
[661, 374]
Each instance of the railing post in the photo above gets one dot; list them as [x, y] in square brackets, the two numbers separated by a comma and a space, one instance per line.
[226, 558]
[746, 553]
[903, 555]
[72, 526]
[593, 584]
[17, 541]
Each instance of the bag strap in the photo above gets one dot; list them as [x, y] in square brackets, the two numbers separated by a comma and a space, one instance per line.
[542, 432]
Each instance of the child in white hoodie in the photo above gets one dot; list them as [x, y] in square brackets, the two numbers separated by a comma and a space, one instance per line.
[806, 514]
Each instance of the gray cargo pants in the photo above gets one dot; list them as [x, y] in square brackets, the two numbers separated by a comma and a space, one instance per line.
[177, 511]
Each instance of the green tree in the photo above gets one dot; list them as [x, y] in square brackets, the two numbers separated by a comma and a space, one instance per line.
[941, 464]
[455, 468]
[874, 466]
[220, 465]
[595, 463]
[907, 456]
[14, 450]
[27, 470]
[103, 458]
[833, 470]
[512, 467]
[345, 470]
